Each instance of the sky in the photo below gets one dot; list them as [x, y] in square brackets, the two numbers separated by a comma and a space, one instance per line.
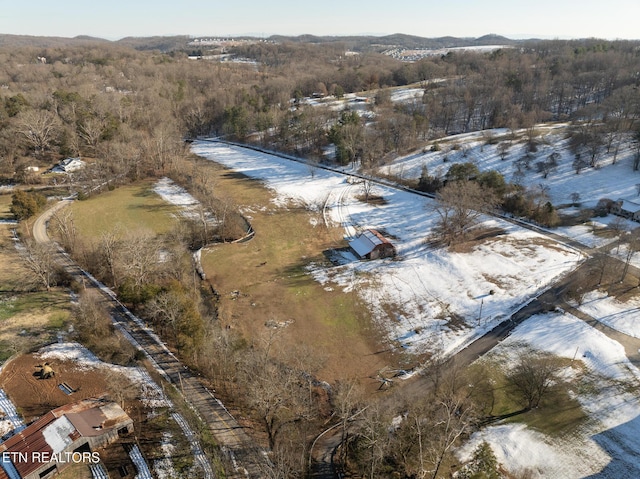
[115, 19]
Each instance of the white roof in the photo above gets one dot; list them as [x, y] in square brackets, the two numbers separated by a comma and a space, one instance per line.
[365, 243]
[57, 434]
[629, 205]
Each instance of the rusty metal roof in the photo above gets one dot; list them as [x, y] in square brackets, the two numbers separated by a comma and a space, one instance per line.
[57, 430]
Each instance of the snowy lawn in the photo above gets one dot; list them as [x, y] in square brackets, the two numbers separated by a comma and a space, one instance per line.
[426, 297]
[178, 196]
[621, 316]
[607, 444]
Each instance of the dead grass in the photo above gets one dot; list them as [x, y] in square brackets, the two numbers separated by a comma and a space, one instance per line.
[28, 318]
[266, 280]
[5, 204]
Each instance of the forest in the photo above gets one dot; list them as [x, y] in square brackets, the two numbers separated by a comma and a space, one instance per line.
[130, 112]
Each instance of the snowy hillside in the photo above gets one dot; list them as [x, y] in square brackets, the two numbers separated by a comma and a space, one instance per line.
[608, 180]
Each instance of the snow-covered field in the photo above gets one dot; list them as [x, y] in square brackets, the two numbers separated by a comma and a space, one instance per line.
[440, 298]
[621, 316]
[176, 195]
[607, 445]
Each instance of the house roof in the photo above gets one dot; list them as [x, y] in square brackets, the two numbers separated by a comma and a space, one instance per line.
[56, 430]
[367, 241]
[68, 165]
[629, 205]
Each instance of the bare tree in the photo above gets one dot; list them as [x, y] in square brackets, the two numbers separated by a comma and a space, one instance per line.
[65, 227]
[578, 163]
[434, 424]
[602, 263]
[109, 247]
[503, 149]
[633, 246]
[39, 127]
[575, 198]
[367, 187]
[372, 439]
[459, 205]
[532, 377]
[277, 392]
[453, 419]
[90, 130]
[163, 149]
[40, 260]
[166, 309]
[619, 227]
[348, 402]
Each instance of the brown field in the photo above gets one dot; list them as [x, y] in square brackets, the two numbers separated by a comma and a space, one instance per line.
[5, 204]
[267, 293]
[27, 317]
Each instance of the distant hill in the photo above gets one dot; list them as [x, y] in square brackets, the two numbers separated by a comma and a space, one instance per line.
[180, 42]
[46, 42]
[164, 44]
[139, 43]
[399, 40]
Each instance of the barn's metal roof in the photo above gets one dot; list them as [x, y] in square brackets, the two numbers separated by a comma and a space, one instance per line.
[55, 432]
[366, 242]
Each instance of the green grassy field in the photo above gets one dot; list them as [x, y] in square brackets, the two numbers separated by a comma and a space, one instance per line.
[558, 412]
[135, 207]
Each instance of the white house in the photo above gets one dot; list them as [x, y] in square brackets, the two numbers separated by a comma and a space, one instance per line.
[68, 165]
[627, 209]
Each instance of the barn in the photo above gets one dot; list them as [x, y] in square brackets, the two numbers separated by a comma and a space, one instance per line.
[372, 245]
[62, 436]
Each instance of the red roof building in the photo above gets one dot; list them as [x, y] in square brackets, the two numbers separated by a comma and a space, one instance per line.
[66, 435]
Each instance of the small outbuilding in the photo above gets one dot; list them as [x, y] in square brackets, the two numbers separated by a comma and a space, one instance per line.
[372, 245]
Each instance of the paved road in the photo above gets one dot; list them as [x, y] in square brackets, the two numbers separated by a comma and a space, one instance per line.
[40, 225]
[244, 458]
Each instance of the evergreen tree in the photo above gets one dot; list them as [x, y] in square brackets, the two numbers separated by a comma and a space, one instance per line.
[483, 465]
[24, 205]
